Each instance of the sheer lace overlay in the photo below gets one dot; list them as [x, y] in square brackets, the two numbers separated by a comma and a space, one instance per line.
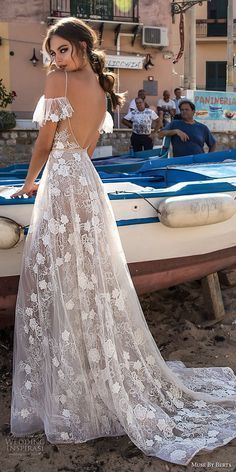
[52, 109]
[85, 363]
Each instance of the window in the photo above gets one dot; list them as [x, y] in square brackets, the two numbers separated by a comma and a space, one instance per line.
[216, 75]
[217, 10]
[99, 9]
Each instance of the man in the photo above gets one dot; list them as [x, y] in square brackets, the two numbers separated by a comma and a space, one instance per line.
[187, 135]
[141, 94]
[177, 99]
[166, 108]
[140, 121]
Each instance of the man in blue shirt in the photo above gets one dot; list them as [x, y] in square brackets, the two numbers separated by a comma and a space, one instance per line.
[187, 135]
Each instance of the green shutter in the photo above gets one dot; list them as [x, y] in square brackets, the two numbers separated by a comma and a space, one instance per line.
[216, 75]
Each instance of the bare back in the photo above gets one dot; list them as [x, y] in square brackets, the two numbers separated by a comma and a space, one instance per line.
[89, 103]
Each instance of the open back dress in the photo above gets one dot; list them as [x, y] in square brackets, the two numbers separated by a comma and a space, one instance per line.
[85, 363]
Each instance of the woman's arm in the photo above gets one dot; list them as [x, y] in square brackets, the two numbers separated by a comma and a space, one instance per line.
[126, 123]
[40, 155]
[44, 141]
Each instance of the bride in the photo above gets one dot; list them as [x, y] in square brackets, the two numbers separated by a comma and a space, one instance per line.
[85, 363]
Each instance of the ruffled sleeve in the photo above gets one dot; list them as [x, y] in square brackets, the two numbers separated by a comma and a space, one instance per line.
[52, 109]
[107, 124]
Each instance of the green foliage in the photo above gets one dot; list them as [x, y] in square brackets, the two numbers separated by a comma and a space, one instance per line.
[7, 119]
[6, 98]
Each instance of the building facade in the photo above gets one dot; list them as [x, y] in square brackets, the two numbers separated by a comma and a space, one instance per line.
[211, 37]
[141, 37]
[134, 34]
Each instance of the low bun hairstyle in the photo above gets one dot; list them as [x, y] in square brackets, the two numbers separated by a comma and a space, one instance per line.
[76, 31]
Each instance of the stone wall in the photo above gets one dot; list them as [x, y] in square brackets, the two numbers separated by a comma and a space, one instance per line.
[16, 145]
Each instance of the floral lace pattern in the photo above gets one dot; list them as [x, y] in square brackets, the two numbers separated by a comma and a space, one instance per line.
[52, 109]
[85, 363]
[64, 140]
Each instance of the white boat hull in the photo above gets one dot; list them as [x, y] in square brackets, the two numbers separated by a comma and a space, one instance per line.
[158, 256]
[137, 221]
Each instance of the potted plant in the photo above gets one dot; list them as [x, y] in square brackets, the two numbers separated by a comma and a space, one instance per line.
[7, 118]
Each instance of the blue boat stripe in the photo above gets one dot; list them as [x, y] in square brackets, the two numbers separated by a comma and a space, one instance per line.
[187, 189]
[137, 221]
[16, 201]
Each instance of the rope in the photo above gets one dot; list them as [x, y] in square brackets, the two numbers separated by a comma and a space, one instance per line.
[140, 195]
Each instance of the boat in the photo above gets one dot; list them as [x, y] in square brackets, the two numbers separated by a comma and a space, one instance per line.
[125, 163]
[181, 213]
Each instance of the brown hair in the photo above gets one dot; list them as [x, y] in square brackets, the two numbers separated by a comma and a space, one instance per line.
[187, 102]
[75, 31]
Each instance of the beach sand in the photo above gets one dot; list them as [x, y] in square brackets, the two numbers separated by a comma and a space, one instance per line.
[177, 320]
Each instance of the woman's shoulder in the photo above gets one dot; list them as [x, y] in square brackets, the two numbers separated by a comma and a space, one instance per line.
[55, 84]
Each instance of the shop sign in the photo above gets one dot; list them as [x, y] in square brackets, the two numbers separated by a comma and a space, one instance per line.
[214, 105]
[124, 62]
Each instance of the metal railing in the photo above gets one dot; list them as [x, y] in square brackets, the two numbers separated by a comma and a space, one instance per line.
[212, 28]
[60, 8]
[201, 29]
[95, 9]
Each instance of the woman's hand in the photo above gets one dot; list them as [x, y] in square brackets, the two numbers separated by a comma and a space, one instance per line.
[27, 189]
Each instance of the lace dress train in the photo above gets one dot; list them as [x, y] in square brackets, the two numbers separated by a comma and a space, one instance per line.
[85, 363]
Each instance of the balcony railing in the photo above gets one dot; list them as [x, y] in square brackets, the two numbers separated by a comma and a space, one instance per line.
[106, 10]
[212, 28]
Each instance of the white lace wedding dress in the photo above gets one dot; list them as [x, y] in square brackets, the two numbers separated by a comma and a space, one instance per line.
[85, 363]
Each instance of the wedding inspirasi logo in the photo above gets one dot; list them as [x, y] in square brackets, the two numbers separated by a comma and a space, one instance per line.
[18, 446]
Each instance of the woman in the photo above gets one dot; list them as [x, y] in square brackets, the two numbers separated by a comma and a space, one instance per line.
[140, 121]
[85, 363]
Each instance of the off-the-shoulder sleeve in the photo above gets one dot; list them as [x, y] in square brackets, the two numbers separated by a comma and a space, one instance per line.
[52, 109]
[107, 124]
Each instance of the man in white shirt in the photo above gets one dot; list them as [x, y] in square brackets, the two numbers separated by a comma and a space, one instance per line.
[141, 94]
[177, 99]
[140, 121]
[166, 108]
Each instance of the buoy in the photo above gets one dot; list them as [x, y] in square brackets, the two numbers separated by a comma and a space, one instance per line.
[10, 233]
[196, 210]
